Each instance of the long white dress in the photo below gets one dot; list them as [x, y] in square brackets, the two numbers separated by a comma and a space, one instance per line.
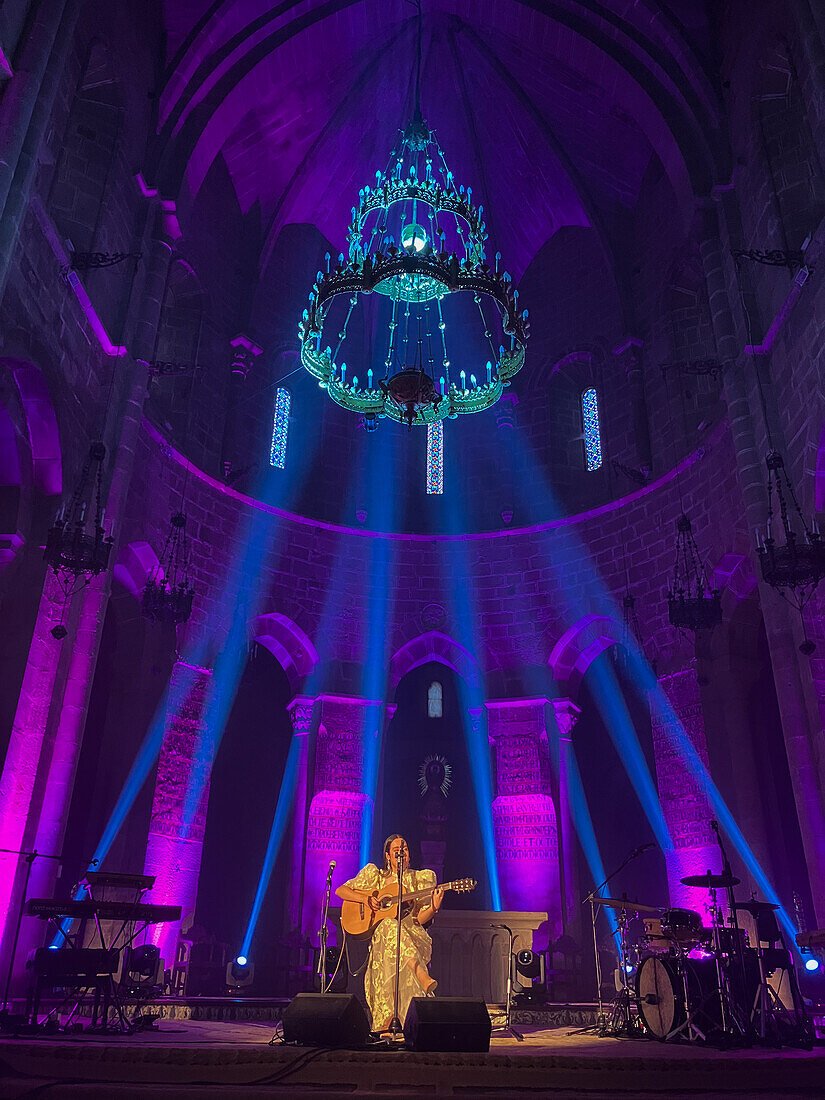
[416, 946]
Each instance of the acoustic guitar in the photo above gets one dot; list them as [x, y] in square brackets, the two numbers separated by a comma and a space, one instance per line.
[358, 919]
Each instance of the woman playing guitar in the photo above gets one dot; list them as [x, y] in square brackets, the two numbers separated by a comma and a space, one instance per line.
[416, 945]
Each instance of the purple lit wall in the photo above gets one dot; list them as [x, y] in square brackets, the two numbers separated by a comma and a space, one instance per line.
[173, 852]
[524, 814]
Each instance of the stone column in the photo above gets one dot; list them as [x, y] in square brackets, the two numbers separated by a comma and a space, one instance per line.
[47, 732]
[173, 850]
[336, 809]
[629, 355]
[524, 813]
[684, 806]
[804, 738]
[244, 354]
[566, 714]
[25, 112]
[300, 711]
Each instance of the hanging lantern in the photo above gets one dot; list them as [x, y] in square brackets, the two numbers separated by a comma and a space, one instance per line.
[76, 544]
[168, 595]
[692, 603]
[793, 564]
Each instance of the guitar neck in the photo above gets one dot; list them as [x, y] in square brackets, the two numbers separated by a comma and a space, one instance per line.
[426, 893]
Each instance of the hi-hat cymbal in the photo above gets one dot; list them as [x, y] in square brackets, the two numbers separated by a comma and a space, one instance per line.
[710, 881]
[755, 907]
[626, 903]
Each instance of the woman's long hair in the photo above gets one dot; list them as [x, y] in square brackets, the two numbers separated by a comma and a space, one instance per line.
[386, 869]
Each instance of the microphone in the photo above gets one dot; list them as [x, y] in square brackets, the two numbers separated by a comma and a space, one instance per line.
[332, 866]
[645, 847]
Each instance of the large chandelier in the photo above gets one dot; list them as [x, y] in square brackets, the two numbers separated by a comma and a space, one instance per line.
[414, 322]
[168, 595]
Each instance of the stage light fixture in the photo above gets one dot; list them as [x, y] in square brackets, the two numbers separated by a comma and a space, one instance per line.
[239, 972]
[812, 965]
[528, 975]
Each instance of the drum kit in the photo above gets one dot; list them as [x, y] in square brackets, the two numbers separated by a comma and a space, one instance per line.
[680, 979]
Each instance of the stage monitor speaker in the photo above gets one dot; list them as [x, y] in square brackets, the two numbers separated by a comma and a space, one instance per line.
[326, 1020]
[447, 1023]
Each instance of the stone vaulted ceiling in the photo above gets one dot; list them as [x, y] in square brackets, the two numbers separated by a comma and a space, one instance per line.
[552, 111]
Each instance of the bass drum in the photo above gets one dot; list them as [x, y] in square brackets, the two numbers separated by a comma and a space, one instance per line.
[660, 994]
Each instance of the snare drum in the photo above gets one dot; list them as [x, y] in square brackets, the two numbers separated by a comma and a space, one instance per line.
[682, 925]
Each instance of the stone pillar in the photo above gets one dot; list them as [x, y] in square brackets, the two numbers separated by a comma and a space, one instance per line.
[25, 112]
[684, 806]
[47, 733]
[338, 803]
[524, 813]
[300, 711]
[629, 355]
[566, 714]
[173, 850]
[804, 738]
[244, 354]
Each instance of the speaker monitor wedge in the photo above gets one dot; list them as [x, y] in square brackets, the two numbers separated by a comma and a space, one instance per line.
[326, 1020]
[447, 1023]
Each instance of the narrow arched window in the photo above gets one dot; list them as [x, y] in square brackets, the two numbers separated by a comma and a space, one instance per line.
[591, 430]
[280, 429]
[435, 457]
[434, 700]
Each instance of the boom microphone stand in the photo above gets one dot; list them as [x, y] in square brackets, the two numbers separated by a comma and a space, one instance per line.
[600, 1027]
[508, 1008]
[395, 1027]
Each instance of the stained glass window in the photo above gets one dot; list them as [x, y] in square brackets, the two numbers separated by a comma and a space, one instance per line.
[434, 700]
[435, 457]
[280, 429]
[592, 431]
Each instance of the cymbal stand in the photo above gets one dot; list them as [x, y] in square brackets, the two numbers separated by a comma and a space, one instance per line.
[729, 1020]
[621, 1019]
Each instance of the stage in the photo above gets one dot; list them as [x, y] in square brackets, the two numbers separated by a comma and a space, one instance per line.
[205, 1058]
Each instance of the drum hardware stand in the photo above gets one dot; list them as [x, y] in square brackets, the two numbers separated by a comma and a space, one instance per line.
[724, 978]
[508, 1008]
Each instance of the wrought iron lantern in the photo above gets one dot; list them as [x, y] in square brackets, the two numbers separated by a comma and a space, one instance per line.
[795, 564]
[168, 595]
[76, 544]
[692, 603]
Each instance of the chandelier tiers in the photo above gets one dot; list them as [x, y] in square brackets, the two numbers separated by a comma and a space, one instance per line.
[417, 242]
[167, 597]
[76, 544]
[796, 566]
[691, 602]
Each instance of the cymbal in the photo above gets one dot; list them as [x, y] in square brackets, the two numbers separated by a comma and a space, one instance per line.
[626, 903]
[755, 907]
[708, 881]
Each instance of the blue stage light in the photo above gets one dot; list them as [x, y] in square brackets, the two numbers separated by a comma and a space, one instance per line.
[241, 960]
[812, 964]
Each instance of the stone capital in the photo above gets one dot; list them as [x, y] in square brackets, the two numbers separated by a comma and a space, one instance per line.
[244, 354]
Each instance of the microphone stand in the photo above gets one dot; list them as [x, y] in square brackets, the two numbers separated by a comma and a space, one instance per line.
[600, 1026]
[395, 1027]
[322, 934]
[507, 1025]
